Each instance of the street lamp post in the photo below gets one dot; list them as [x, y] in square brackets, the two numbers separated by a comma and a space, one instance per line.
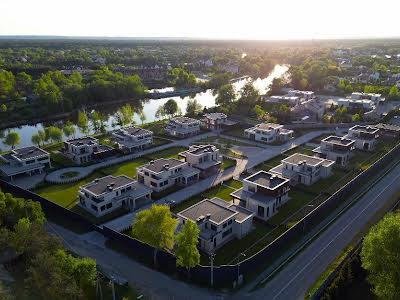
[238, 265]
[212, 255]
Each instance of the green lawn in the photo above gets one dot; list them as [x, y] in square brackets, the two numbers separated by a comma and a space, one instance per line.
[237, 131]
[127, 168]
[221, 140]
[172, 152]
[64, 194]
[228, 163]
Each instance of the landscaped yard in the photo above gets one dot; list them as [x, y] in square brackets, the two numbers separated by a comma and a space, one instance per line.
[221, 191]
[228, 163]
[237, 131]
[172, 152]
[126, 168]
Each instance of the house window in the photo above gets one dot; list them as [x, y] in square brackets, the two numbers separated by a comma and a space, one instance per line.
[109, 205]
[260, 211]
[229, 222]
[103, 207]
[94, 207]
[213, 227]
[227, 232]
[153, 183]
[224, 226]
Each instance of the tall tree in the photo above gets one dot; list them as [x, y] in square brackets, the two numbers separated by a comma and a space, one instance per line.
[36, 139]
[249, 96]
[187, 253]
[156, 227]
[12, 139]
[225, 96]
[55, 134]
[380, 257]
[83, 122]
[171, 107]
[193, 107]
[125, 115]
[69, 129]
[142, 116]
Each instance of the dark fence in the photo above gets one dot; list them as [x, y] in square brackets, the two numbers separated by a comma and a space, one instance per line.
[52, 210]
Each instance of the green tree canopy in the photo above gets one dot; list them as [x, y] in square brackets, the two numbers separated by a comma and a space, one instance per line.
[380, 257]
[171, 107]
[187, 253]
[125, 115]
[12, 139]
[83, 122]
[181, 78]
[225, 96]
[193, 107]
[69, 129]
[156, 227]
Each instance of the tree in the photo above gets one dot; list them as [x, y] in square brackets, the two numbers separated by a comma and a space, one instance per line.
[187, 253]
[36, 139]
[142, 116]
[98, 121]
[260, 113]
[193, 107]
[181, 78]
[225, 96]
[171, 107]
[380, 257]
[248, 97]
[394, 93]
[356, 118]
[42, 134]
[276, 86]
[55, 134]
[125, 115]
[156, 227]
[160, 113]
[69, 129]
[83, 122]
[12, 138]
[3, 108]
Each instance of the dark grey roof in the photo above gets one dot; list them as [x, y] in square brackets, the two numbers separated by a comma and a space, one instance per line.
[338, 140]
[162, 164]
[266, 179]
[132, 130]
[388, 127]
[364, 128]
[29, 152]
[299, 157]
[87, 140]
[101, 185]
[198, 149]
[184, 120]
[214, 209]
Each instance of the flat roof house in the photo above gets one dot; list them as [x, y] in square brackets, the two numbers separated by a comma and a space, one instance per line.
[367, 96]
[215, 121]
[106, 194]
[85, 149]
[268, 133]
[219, 222]
[284, 99]
[356, 104]
[163, 173]
[206, 158]
[262, 193]
[305, 169]
[365, 136]
[24, 161]
[306, 95]
[132, 138]
[336, 148]
[183, 127]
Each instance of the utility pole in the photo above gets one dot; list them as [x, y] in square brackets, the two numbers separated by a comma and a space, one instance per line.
[112, 287]
[212, 255]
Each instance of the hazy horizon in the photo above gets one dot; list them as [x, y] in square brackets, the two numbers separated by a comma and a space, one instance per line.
[215, 20]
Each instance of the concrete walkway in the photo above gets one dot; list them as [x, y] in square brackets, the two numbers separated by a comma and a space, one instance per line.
[124, 222]
[56, 176]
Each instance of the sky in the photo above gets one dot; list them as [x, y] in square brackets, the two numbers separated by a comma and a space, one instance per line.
[213, 19]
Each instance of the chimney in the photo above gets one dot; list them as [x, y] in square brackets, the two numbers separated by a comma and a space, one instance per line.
[208, 216]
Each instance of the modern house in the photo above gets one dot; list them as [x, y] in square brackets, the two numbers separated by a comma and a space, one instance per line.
[305, 95]
[262, 193]
[305, 169]
[132, 138]
[283, 99]
[356, 104]
[183, 127]
[24, 161]
[336, 148]
[106, 194]
[364, 135]
[85, 149]
[206, 158]
[215, 121]
[219, 222]
[163, 173]
[388, 131]
[367, 96]
[268, 133]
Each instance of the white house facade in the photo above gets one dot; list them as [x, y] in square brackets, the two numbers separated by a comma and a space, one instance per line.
[268, 133]
[183, 127]
[336, 148]
[133, 138]
[365, 136]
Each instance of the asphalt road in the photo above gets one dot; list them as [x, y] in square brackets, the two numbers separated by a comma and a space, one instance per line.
[293, 281]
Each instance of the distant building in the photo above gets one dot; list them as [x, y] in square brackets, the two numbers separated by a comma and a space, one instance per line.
[183, 127]
[133, 138]
[368, 96]
[215, 121]
[306, 95]
[263, 193]
[305, 169]
[206, 158]
[85, 149]
[283, 99]
[388, 131]
[163, 173]
[219, 221]
[356, 104]
[106, 194]
[338, 149]
[24, 161]
[365, 136]
[268, 133]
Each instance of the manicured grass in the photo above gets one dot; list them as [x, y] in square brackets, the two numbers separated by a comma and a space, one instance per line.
[64, 194]
[237, 131]
[172, 152]
[228, 163]
[221, 140]
[221, 191]
[159, 141]
[127, 168]
[69, 174]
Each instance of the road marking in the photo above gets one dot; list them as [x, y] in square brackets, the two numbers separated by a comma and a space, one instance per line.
[340, 232]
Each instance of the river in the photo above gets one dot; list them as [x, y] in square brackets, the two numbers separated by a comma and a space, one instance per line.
[206, 99]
